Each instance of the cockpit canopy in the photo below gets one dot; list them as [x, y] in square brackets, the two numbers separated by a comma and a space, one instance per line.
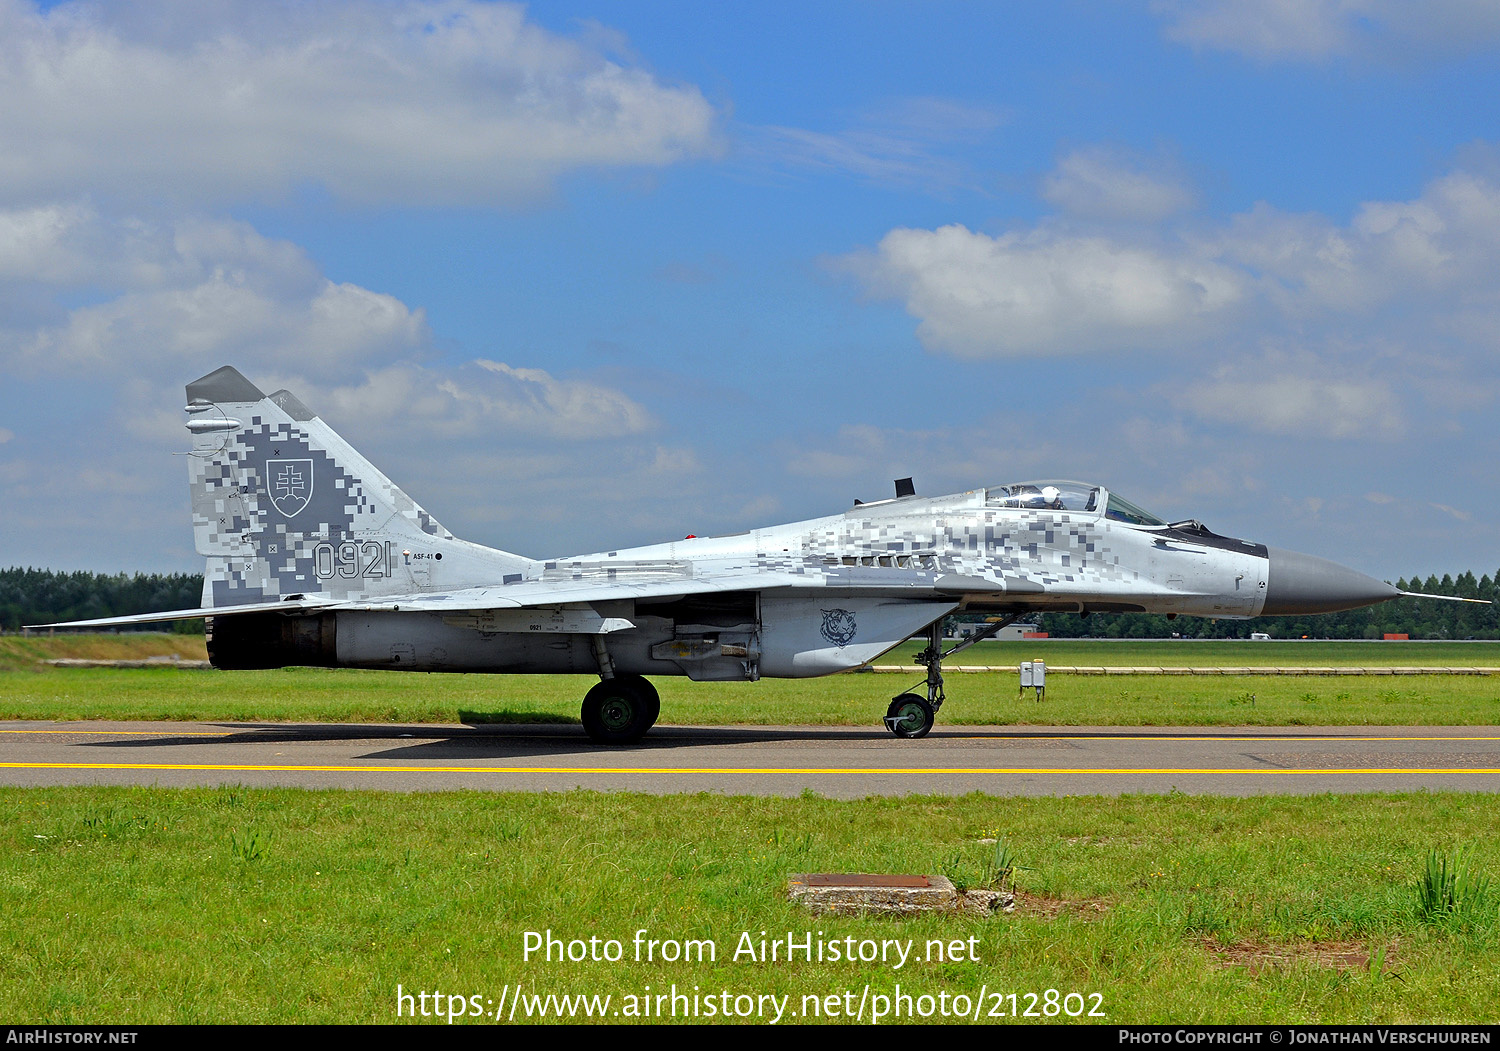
[1055, 496]
[1069, 496]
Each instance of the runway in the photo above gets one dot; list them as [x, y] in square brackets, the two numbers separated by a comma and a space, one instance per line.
[838, 762]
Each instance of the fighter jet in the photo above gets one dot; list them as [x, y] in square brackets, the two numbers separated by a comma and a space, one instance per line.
[317, 558]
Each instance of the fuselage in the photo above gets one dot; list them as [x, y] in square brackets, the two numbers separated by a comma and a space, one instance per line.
[803, 599]
[982, 550]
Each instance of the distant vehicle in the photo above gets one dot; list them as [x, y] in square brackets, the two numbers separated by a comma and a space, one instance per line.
[1259, 636]
[317, 558]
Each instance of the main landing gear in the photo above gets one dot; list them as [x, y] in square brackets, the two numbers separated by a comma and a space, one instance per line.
[620, 708]
[911, 714]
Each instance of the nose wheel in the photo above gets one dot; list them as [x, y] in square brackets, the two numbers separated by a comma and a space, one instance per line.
[910, 716]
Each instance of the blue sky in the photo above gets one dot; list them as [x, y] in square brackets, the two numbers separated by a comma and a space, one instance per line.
[587, 275]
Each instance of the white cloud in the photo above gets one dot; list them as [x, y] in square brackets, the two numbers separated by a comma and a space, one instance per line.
[1101, 182]
[1462, 516]
[183, 298]
[1444, 243]
[675, 461]
[226, 318]
[863, 460]
[38, 244]
[854, 451]
[482, 398]
[1321, 29]
[908, 144]
[1294, 404]
[189, 293]
[1263, 28]
[447, 101]
[70, 244]
[1067, 287]
[1045, 291]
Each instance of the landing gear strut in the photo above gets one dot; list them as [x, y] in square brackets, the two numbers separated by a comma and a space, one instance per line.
[912, 715]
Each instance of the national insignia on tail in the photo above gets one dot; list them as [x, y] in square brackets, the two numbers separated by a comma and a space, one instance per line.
[289, 484]
[838, 626]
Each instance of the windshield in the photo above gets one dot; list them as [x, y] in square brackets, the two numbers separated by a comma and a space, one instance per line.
[1055, 496]
[1120, 510]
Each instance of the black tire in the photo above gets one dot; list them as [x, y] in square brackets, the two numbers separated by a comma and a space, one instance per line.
[643, 686]
[910, 716]
[618, 711]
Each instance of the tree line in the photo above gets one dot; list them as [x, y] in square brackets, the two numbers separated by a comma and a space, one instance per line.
[1414, 617]
[40, 596]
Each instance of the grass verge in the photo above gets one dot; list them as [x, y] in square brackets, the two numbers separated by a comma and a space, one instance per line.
[341, 695]
[1188, 653]
[30, 691]
[135, 906]
[26, 652]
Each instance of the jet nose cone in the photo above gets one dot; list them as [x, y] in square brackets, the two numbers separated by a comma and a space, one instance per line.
[1305, 584]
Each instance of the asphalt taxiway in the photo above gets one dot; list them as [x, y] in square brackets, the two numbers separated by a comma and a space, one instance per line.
[838, 762]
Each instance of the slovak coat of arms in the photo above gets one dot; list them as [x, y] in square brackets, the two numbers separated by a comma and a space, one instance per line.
[289, 484]
[838, 626]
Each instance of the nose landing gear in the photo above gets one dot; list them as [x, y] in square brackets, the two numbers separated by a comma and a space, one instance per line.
[912, 715]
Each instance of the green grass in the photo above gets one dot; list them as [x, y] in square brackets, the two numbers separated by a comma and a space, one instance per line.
[32, 691]
[19, 653]
[1183, 653]
[134, 906]
[1450, 893]
[313, 694]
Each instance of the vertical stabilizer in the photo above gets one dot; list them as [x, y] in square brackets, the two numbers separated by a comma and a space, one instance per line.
[284, 506]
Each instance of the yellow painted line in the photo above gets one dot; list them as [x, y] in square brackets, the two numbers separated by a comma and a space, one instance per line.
[1224, 670]
[1246, 738]
[1018, 737]
[133, 733]
[660, 770]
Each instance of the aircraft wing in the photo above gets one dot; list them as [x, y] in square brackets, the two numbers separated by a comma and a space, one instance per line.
[533, 593]
[601, 584]
[587, 588]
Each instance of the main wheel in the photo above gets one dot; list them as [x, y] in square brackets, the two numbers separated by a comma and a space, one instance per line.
[910, 716]
[619, 711]
[653, 699]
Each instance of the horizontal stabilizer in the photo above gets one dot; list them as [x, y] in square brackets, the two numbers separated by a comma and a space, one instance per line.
[285, 606]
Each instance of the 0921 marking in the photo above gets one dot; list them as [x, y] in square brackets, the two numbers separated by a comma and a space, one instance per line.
[352, 559]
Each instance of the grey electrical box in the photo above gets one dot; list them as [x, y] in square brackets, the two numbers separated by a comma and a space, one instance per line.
[1034, 676]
